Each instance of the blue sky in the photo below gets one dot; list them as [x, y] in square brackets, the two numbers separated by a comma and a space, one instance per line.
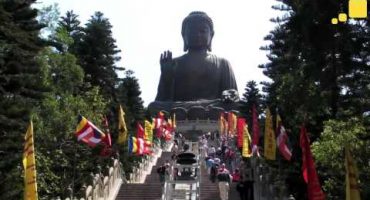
[144, 29]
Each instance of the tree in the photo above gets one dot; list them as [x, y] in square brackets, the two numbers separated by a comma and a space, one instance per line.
[60, 159]
[97, 55]
[329, 155]
[72, 26]
[319, 71]
[20, 88]
[251, 97]
[129, 96]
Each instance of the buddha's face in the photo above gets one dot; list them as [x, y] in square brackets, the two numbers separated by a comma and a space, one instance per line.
[197, 35]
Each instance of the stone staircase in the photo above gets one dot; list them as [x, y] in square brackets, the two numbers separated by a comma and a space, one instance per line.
[151, 189]
[208, 190]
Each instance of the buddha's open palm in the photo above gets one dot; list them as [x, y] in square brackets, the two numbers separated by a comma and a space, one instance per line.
[166, 61]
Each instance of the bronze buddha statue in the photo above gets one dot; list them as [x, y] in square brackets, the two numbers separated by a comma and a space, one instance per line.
[196, 76]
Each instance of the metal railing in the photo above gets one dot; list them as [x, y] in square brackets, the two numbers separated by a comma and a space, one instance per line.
[184, 189]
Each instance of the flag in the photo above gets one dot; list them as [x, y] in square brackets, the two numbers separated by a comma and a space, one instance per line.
[159, 123]
[221, 123]
[132, 145]
[138, 146]
[139, 130]
[29, 165]
[352, 187]
[231, 118]
[88, 132]
[122, 129]
[148, 136]
[240, 130]
[246, 143]
[107, 140]
[256, 130]
[282, 139]
[174, 121]
[309, 170]
[269, 140]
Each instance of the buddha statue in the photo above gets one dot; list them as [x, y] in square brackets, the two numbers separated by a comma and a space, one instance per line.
[197, 77]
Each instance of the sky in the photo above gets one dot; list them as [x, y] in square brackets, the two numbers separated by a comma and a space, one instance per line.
[143, 29]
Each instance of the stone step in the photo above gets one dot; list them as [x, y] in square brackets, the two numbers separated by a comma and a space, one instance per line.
[146, 191]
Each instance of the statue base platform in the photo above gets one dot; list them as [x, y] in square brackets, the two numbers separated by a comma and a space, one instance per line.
[192, 110]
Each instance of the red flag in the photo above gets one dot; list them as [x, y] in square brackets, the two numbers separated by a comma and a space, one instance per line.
[309, 170]
[282, 139]
[240, 131]
[107, 140]
[256, 127]
[139, 131]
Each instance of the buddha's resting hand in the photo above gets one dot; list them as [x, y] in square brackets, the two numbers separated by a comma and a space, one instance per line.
[166, 62]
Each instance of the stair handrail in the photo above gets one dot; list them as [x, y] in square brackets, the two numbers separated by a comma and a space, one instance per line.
[106, 187]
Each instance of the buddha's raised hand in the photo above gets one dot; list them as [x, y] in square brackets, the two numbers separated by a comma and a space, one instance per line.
[166, 61]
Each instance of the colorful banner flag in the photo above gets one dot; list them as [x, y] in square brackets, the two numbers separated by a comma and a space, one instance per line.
[88, 132]
[132, 145]
[269, 140]
[122, 129]
[138, 146]
[246, 143]
[282, 139]
[309, 170]
[29, 165]
[148, 131]
[240, 132]
[352, 187]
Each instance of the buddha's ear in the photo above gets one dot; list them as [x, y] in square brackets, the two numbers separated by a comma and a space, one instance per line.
[186, 48]
[209, 47]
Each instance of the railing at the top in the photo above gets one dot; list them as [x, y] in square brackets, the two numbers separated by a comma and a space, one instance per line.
[204, 125]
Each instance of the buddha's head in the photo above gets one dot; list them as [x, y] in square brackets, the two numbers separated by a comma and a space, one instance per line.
[197, 31]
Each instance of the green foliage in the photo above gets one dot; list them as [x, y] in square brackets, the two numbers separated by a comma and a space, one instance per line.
[319, 72]
[329, 155]
[97, 54]
[20, 88]
[251, 97]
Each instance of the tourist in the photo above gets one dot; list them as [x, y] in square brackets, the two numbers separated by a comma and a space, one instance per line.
[224, 179]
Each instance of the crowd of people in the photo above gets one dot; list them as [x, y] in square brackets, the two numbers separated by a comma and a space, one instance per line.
[225, 165]
[222, 161]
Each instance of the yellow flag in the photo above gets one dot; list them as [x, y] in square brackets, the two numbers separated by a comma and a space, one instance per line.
[247, 152]
[29, 165]
[235, 119]
[122, 129]
[174, 121]
[278, 120]
[270, 141]
[352, 188]
[148, 135]
[221, 124]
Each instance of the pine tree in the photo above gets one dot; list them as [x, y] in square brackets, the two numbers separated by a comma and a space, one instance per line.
[319, 71]
[20, 88]
[97, 54]
[129, 96]
[251, 97]
[72, 26]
